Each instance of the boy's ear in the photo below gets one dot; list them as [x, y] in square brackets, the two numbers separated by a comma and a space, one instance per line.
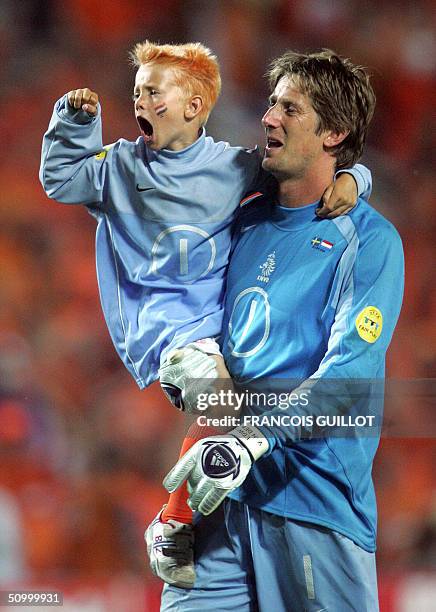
[332, 139]
[193, 107]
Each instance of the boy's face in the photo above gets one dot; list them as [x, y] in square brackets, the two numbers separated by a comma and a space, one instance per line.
[160, 107]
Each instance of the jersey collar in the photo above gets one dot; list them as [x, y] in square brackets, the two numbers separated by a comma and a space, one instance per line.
[188, 153]
[294, 218]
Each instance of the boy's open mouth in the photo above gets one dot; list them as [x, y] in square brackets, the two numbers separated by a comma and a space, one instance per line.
[146, 128]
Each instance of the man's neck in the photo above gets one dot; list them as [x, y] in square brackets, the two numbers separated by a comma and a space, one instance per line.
[298, 192]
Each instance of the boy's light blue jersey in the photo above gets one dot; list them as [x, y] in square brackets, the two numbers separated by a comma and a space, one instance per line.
[313, 299]
[164, 229]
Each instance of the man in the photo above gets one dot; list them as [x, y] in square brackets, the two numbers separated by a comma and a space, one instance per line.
[307, 300]
[164, 205]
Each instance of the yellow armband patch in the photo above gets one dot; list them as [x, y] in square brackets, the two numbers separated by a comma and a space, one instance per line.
[369, 324]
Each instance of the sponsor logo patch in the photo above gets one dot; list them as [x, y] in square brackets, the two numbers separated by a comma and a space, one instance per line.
[369, 324]
[174, 394]
[219, 461]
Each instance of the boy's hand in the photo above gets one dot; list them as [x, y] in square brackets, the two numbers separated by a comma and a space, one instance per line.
[339, 197]
[85, 99]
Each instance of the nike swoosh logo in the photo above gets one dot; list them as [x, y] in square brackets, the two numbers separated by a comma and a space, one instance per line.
[139, 188]
[245, 229]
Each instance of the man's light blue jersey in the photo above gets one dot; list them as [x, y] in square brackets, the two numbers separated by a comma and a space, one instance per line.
[313, 298]
[164, 229]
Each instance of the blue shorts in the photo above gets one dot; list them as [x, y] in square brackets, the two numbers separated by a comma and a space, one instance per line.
[248, 560]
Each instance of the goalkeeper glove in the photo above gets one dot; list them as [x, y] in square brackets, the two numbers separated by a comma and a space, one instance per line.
[187, 373]
[217, 465]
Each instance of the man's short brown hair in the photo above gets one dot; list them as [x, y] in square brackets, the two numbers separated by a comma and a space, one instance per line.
[340, 92]
[196, 69]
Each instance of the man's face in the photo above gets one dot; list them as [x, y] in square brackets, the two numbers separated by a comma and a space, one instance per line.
[292, 147]
[160, 108]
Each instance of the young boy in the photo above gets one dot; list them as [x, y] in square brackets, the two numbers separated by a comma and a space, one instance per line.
[164, 207]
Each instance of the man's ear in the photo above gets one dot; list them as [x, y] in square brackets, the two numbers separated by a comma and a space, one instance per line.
[332, 139]
[193, 107]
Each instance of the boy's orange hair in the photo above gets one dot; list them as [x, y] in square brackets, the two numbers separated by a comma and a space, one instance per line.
[196, 69]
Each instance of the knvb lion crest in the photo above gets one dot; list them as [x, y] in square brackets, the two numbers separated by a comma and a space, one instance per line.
[267, 268]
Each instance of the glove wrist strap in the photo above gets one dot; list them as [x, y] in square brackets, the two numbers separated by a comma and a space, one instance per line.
[253, 440]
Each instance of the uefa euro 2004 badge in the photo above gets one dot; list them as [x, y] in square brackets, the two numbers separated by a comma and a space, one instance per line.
[369, 324]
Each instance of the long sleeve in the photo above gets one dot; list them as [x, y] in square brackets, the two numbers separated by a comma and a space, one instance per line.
[73, 162]
[362, 176]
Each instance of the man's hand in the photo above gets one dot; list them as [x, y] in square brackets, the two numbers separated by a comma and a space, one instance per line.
[189, 374]
[84, 99]
[217, 465]
[170, 547]
[339, 197]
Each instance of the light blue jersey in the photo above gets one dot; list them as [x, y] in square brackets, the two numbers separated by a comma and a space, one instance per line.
[313, 298]
[164, 229]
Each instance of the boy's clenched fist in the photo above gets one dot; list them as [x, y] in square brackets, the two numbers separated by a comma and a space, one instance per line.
[85, 99]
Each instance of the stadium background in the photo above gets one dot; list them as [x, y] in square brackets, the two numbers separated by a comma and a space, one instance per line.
[82, 451]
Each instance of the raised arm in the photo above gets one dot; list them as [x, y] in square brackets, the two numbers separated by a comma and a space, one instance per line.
[73, 168]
